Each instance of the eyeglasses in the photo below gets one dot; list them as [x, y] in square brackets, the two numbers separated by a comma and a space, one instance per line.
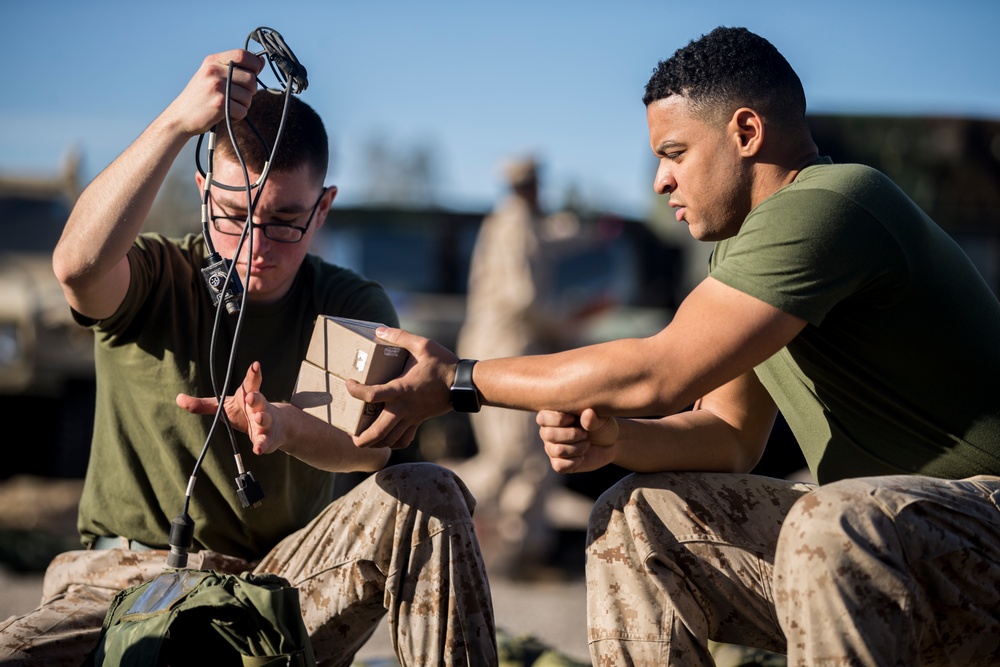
[282, 232]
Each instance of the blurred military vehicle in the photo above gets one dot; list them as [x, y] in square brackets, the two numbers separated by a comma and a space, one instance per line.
[46, 359]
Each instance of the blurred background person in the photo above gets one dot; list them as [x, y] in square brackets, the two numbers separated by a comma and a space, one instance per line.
[512, 310]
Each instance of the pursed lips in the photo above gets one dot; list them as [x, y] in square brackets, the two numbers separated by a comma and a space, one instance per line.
[679, 210]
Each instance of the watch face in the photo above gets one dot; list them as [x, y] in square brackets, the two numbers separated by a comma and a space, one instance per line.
[464, 399]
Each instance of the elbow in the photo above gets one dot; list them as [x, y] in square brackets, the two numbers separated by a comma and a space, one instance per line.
[744, 464]
[69, 272]
[74, 282]
[747, 451]
[61, 267]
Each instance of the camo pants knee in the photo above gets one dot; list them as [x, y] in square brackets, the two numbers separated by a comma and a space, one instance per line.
[834, 575]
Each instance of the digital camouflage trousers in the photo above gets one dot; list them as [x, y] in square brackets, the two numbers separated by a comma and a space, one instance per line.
[401, 543]
[895, 571]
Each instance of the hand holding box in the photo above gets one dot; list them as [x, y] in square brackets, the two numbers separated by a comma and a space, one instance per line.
[344, 349]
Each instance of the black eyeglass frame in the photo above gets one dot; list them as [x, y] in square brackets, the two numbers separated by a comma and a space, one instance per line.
[267, 226]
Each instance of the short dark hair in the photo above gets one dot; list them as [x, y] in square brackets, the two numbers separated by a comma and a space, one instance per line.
[727, 69]
[303, 138]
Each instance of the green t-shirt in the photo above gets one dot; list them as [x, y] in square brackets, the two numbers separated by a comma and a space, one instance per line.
[156, 346]
[898, 368]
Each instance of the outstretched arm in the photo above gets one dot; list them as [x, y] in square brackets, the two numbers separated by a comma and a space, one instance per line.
[282, 426]
[90, 259]
[717, 335]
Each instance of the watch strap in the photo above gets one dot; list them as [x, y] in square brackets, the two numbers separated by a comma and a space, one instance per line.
[464, 394]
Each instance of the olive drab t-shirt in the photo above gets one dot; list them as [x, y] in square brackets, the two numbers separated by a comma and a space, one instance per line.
[898, 368]
[156, 346]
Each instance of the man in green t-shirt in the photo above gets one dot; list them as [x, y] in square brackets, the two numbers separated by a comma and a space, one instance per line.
[401, 541]
[831, 297]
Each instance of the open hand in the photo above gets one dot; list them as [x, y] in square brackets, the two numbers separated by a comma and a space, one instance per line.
[247, 410]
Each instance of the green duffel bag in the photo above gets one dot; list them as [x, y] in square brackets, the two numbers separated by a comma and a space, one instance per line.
[188, 617]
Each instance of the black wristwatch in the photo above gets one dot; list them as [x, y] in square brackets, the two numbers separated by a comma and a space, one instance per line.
[464, 395]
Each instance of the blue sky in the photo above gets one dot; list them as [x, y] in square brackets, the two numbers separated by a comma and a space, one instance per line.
[476, 80]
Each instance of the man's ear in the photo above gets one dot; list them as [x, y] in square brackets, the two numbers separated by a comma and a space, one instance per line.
[747, 128]
[324, 206]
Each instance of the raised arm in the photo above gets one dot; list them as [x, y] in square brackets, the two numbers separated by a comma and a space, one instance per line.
[90, 259]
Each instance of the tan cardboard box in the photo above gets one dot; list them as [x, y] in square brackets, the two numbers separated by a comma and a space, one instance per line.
[342, 349]
[348, 349]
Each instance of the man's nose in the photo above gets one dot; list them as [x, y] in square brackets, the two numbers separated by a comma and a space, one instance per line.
[259, 238]
[664, 182]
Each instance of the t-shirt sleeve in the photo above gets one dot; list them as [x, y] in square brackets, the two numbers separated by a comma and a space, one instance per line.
[152, 259]
[805, 252]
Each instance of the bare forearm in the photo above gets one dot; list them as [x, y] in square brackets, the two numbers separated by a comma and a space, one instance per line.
[317, 443]
[687, 441]
[90, 258]
[111, 211]
[717, 335]
[726, 431]
[614, 378]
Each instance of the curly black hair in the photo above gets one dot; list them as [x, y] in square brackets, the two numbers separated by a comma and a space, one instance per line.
[303, 139]
[727, 69]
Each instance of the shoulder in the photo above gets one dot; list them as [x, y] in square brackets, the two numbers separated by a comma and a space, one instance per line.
[857, 183]
[816, 241]
[825, 198]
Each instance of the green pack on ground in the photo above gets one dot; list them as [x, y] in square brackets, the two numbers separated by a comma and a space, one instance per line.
[523, 650]
[528, 651]
[733, 655]
[205, 617]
